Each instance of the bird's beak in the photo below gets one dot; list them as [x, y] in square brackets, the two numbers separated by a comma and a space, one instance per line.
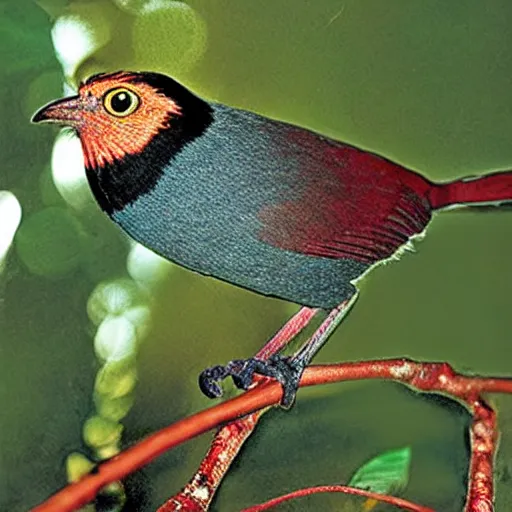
[66, 111]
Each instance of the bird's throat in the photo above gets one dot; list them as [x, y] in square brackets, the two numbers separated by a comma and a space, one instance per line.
[123, 180]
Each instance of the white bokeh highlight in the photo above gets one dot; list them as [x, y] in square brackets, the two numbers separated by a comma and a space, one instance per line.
[78, 35]
[10, 218]
[146, 267]
[112, 298]
[68, 170]
[115, 339]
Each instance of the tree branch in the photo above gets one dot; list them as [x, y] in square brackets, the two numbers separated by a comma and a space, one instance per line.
[436, 377]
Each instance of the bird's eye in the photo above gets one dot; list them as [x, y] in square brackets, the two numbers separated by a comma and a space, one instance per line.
[121, 102]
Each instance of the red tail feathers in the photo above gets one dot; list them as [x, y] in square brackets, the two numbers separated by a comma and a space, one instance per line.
[493, 188]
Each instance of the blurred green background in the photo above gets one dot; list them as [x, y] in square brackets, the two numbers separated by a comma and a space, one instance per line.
[101, 343]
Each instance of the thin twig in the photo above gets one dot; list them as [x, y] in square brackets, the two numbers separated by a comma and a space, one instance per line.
[392, 500]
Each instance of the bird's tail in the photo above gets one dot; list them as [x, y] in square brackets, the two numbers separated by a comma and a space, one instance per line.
[493, 188]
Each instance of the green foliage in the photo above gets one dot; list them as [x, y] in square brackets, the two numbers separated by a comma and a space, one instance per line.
[388, 473]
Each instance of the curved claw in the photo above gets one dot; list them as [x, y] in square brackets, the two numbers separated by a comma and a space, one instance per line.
[242, 372]
[209, 381]
[285, 370]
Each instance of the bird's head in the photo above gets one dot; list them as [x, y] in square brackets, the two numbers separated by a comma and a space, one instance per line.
[120, 114]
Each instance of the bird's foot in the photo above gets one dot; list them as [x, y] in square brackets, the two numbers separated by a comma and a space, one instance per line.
[284, 369]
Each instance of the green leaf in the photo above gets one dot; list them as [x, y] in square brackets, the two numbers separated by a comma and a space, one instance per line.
[388, 473]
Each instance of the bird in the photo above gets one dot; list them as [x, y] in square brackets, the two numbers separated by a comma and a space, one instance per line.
[257, 202]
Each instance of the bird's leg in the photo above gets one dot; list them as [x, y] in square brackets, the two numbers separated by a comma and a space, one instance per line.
[289, 370]
[267, 362]
[308, 351]
[242, 371]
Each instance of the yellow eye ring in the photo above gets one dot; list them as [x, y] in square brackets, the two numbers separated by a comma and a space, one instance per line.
[121, 102]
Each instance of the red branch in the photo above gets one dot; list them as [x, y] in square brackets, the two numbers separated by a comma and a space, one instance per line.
[484, 442]
[423, 376]
[392, 500]
[199, 492]
[85, 490]
[197, 495]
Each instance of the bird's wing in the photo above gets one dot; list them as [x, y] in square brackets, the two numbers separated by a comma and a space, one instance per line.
[351, 204]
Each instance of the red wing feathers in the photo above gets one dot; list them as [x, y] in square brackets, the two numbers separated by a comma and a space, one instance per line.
[355, 205]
